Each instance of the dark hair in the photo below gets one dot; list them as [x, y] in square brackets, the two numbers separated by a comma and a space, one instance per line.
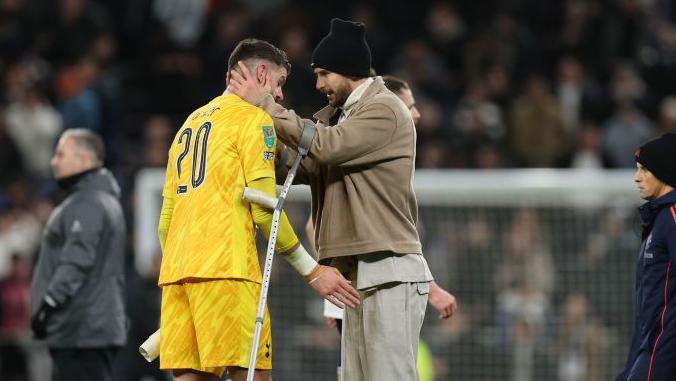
[252, 48]
[89, 141]
[394, 84]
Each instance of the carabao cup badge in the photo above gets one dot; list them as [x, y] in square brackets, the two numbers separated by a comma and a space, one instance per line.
[269, 136]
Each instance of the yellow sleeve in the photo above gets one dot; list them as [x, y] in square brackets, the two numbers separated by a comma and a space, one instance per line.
[287, 240]
[256, 147]
[165, 220]
[168, 194]
[170, 176]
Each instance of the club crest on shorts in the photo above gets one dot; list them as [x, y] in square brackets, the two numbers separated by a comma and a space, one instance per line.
[269, 136]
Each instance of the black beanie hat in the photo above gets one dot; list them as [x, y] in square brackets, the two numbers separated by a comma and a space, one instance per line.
[659, 156]
[344, 50]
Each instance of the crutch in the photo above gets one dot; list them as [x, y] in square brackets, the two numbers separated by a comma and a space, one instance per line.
[307, 136]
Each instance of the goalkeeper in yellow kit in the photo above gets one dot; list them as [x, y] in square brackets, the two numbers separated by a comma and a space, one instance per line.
[210, 274]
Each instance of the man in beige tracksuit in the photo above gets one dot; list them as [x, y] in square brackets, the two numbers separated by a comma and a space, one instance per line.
[360, 169]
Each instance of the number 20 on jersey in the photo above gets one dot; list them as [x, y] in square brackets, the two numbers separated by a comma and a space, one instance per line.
[198, 147]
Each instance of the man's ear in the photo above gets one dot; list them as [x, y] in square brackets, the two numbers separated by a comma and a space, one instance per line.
[261, 72]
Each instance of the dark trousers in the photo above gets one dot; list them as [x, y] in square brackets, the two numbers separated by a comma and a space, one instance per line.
[82, 364]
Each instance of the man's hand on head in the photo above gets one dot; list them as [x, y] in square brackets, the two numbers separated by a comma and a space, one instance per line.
[247, 86]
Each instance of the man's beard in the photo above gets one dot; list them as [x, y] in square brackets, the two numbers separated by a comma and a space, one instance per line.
[340, 96]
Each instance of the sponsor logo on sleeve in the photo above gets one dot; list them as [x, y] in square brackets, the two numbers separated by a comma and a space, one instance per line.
[269, 136]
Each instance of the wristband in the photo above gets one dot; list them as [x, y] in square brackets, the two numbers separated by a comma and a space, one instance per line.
[301, 260]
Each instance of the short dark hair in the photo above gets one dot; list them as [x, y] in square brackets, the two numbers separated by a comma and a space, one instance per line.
[395, 84]
[252, 48]
[90, 141]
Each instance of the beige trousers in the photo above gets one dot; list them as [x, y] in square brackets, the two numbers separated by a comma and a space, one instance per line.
[380, 336]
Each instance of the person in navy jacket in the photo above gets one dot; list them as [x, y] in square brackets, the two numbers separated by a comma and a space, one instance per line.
[652, 356]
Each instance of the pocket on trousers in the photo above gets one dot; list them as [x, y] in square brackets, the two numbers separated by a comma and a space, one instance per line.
[423, 288]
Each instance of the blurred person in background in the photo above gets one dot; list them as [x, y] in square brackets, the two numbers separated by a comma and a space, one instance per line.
[582, 341]
[537, 134]
[11, 160]
[628, 127]
[652, 355]
[578, 94]
[440, 299]
[668, 115]
[525, 281]
[157, 137]
[34, 125]
[14, 319]
[587, 151]
[78, 283]
[79, 102]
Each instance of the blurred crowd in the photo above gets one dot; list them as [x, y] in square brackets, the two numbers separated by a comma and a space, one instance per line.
[499, 84]
[545, 293]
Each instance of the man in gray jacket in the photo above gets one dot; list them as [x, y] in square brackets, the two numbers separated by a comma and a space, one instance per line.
[360, 170]
[78, 282]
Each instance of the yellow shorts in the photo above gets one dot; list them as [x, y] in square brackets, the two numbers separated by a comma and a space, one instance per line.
[209, 325]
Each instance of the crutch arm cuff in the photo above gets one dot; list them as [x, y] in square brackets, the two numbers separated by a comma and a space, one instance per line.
[306, 138]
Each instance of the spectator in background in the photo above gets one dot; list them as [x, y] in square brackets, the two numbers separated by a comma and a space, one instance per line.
[611, 291]
[229, 27]
[578, 94]
[587, 151]
[11, 161]
[183, 20]
[537, 134]
[299, 86]
[158, 134]
[78, 282]
[582, 342]
[34, 125]
[14, 319]
[477, 122]
[527, 255]
[79, 102]
[525, 281]
[498, 86]
[439, 298]
[70, 28]
[668, 115]
[424, 68]
[447, 31]
[628, 127]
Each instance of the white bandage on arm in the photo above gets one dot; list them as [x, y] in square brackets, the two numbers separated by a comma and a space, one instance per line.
[301, 260]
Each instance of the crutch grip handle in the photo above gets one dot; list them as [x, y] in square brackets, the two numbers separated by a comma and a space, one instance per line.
[258, 197]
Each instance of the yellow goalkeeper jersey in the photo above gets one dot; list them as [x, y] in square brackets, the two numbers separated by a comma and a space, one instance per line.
[221, 147]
